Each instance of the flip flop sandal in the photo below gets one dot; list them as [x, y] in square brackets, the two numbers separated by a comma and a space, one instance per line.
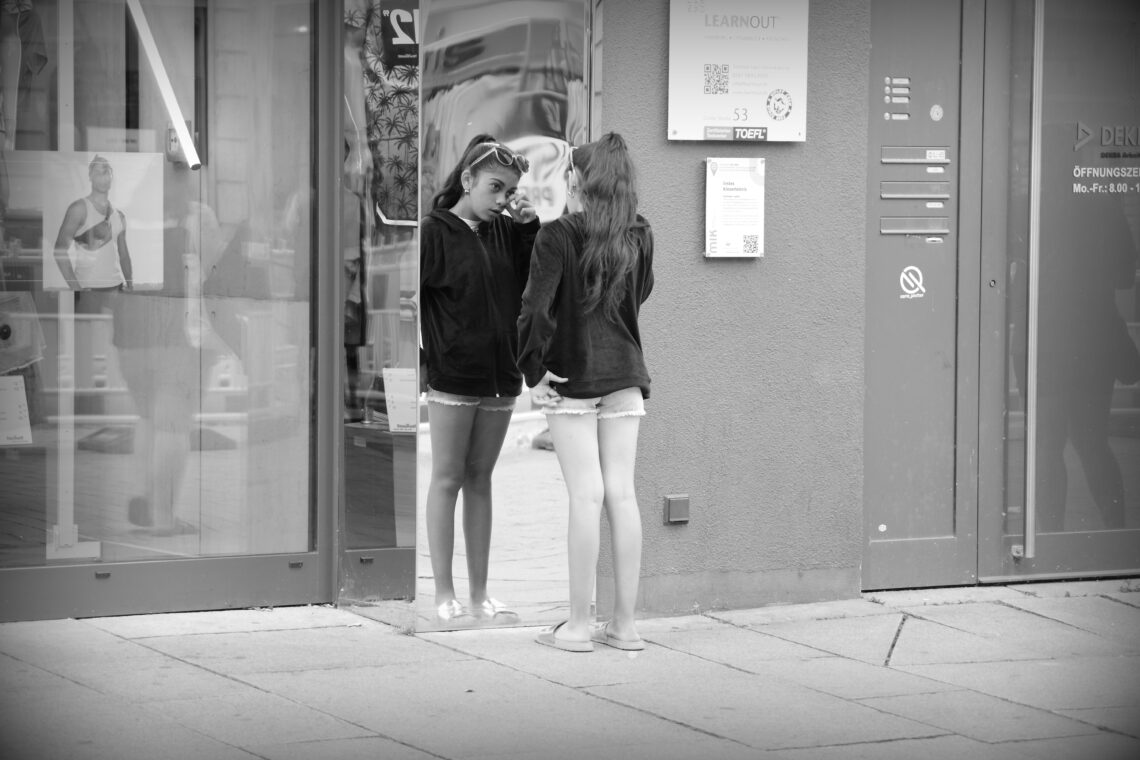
[547, 638]
[601, 634]
[449, 612]
[492, 609]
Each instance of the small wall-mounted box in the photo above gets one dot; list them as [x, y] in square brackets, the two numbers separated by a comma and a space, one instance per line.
[677, 508]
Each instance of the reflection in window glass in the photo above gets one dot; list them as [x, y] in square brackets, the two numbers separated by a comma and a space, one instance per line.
[1075, 357]
[154, 277]
[381, 264]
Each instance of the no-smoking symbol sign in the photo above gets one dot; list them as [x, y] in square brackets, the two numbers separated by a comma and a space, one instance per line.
[911, 283]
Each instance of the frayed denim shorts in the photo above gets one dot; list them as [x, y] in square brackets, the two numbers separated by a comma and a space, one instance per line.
[627, 402]
[484, 403]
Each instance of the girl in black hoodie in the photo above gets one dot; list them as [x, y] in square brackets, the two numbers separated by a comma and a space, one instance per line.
[591, 271]
[474, 261]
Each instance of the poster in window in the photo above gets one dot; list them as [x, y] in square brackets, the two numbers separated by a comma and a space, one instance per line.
[102, 217]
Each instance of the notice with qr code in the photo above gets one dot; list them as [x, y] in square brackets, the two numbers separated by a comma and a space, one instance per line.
[734, 207]
[738, 70]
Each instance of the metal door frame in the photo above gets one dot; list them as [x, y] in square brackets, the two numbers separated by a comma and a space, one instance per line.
[89, 589]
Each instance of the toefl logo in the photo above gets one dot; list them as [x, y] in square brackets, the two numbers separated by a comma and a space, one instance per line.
[749, 133]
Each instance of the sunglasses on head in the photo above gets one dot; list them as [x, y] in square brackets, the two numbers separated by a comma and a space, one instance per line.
[505, 156]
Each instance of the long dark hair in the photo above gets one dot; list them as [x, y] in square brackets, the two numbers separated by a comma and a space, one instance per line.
[609, 203]
[452, 189]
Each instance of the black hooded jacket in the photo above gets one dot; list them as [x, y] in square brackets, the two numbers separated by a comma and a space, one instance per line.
[471, 288]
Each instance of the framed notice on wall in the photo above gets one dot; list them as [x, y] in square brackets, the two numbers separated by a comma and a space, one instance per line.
[738, 70]
[734, 207]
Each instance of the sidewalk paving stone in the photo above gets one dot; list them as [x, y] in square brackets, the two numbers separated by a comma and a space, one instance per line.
[1069, 589]
[1124, 720]
[362, 748]
[866, 638]
[755, 711]
[700, 746]
[981, 717]
[255, 717]
[516, 649]
[794, 613]
[1023, 630]
[1072, 683]
[743, 647]
[948, 747]
[1096, 747]
[471, 708]
[1130, 598]
[850, 679]
[922, 642]
[1106, 617]
[1040, 671]
[373, 644]
[108, 664]
[226, 621]
[69, 720]
[941, 596]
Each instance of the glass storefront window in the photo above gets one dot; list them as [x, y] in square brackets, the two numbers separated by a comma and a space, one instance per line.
[381, 266]
[155, 258]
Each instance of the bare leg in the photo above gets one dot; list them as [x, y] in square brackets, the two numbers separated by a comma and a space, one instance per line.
[450, 431]
[487, 436]
[163, 384]
[576, 444]
[617, 445]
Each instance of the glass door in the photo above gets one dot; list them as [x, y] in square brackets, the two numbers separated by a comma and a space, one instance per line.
[1061, 489]
[156, 351]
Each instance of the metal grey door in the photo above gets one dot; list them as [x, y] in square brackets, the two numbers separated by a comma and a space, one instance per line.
[921, 369]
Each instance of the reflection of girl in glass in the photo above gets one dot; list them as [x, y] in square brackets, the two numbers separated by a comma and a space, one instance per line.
[474, 261]
[94, 233]
[580, 350]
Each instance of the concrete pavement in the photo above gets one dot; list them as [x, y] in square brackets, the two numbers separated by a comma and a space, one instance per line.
[1031, 671]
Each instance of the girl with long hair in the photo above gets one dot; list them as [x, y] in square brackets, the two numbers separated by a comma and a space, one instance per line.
[580, 352]
[474, 260]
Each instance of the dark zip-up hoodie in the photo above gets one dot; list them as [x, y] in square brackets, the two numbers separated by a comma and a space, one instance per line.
[596, 355]
[471, 288]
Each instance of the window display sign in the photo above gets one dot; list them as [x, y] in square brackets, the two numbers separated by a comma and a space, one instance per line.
[400, 31]
[401, 396]
[15, 425]
[734, 207]
[101, 216]
[738, 70]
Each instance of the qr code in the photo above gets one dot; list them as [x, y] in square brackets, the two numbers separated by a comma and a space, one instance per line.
[716, 79]
[752, 244]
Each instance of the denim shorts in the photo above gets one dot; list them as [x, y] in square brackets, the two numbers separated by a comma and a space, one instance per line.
[485, 403]
[627, 402]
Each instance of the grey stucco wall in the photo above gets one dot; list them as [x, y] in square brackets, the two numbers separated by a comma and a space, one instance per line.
[757, 401]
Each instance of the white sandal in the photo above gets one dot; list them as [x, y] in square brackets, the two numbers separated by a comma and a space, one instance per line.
[493, 609]
[449, 611]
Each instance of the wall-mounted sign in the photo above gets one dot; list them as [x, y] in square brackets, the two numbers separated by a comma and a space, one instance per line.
[910, 282]
[738, 70]
[734, 207]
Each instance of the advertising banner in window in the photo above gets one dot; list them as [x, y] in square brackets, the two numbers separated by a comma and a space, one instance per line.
[738, 70]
